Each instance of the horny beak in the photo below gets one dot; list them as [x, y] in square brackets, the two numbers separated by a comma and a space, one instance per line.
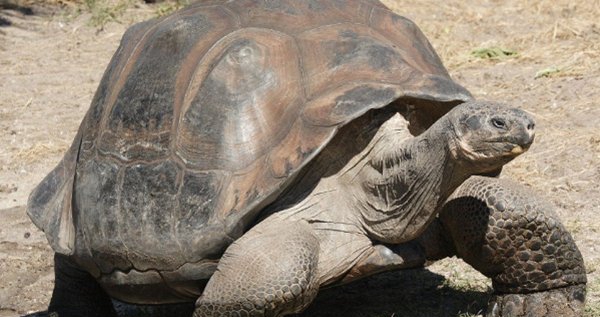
[517, 150]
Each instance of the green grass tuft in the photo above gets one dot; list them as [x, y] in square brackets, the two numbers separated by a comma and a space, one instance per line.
[105, 11]
[169, 7]
[592, 311]
[547, 72]
[493, 53]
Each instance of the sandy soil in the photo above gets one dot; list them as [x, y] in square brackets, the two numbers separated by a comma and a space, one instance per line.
[51, 62]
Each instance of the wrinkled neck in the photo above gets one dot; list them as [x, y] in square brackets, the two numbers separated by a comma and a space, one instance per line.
[403, 184]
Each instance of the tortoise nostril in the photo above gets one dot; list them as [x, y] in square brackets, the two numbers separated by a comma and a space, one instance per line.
[531, 126]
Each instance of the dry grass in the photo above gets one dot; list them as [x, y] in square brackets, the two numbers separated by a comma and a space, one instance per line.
[104, 11]
[38, 152]
[538, 30]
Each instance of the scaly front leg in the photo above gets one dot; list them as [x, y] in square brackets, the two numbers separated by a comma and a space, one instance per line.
[512, 235]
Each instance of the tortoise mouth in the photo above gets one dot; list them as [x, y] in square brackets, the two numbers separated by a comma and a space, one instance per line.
[492, 150]
[518, 149]
[513, 148]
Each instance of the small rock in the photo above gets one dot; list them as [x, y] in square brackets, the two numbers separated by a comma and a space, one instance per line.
[8, 188]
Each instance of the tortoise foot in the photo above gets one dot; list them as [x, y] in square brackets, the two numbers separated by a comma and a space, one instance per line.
[564, 302]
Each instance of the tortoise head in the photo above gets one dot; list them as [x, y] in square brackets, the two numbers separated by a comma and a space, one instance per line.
[489, 135]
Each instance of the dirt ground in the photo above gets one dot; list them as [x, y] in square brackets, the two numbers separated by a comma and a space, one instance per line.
[51, 59]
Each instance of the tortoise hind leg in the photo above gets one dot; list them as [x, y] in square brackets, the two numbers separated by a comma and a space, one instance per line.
[513, 236]
[270, 271]
[76, 292]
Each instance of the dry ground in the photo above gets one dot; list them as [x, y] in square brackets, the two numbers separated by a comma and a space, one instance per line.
[52, 60]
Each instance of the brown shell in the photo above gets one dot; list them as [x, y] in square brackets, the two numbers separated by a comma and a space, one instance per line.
[202, 118]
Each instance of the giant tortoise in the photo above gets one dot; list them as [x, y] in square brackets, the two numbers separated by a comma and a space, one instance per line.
[243, 154]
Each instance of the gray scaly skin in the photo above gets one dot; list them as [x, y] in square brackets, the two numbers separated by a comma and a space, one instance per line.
[514, 236]
[388, 193]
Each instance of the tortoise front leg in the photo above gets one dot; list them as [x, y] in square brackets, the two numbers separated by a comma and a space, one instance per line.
[270, 271]
[512, 235]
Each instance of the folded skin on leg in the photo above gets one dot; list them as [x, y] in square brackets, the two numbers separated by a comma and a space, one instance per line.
[270, 271]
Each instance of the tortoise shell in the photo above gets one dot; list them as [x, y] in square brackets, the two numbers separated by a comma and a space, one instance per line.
[203, 117]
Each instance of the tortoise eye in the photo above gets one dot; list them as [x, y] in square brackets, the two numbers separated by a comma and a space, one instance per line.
[499, 123]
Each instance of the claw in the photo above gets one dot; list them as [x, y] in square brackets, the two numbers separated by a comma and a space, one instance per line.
[564, 302]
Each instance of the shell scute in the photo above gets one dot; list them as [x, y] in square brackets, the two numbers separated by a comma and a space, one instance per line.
[141, 104]
[415, 49]
[198, 230]
[241, 100]
[300, 144]
[293, 17]
[148, 199]
[91, 124]
[349, 52]
[98, 209]
[348, 101]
